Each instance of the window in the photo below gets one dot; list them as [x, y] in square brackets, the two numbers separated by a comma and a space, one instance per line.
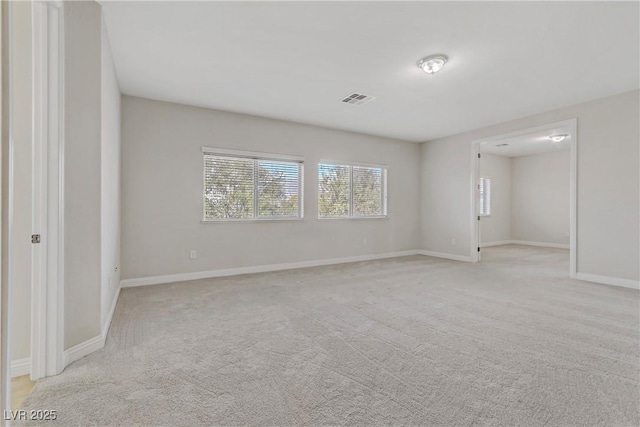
[346, 191]
[249, 186]
[485, 196]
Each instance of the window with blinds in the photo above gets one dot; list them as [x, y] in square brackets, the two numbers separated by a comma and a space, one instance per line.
[250, 187]
[484, 188]
[347, 191]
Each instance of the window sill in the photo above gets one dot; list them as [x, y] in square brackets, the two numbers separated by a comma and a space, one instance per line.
[250, 220]
[349, 218]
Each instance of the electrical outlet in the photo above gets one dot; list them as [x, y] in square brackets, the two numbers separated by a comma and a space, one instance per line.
[453, 240]
[364, 242]
[192, 255]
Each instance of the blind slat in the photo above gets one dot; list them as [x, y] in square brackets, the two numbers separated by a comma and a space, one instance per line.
[334, 191]
[237, 188]
[484, 188]
[351, 191]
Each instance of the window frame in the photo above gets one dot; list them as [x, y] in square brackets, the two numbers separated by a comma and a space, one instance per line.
[383, 188]
[487, 202]
[256, 157]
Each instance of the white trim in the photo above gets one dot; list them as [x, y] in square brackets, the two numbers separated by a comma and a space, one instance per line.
[55, 345]
[255, 155]
[182, 277]
[447, 256]
[334, 162]
[607, 280]
[6, 203]
[20, 367]
[47, 300]
[104, 330]
[497, 243]
[39, 163]
[475, 149]
[524, 242]
[474, 179]
[83, 349]
[336, 218]
[541, 244]
[93, 344]
[573, 200]
[256, 219]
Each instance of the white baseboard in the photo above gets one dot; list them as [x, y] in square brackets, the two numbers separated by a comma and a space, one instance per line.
[541, 244]
[83, 349]
[446, 255]
[498, 243]
[20, 367]
[23, 366]
[170, 278]
[607, 280]
[524, 242]
[107, 322]
[87, 347]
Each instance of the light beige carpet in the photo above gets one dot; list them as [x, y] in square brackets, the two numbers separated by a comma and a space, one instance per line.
[406, 341]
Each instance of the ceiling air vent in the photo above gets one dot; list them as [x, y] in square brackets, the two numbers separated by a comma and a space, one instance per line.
[357, 99]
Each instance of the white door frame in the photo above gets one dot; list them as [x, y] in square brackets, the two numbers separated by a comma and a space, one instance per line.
[47, 285]
[571, 124]
[6, 179]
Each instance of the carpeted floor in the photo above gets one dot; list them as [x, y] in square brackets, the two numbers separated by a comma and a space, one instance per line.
[405, 341]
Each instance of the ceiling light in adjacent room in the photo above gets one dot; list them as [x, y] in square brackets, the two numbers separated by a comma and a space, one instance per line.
[558, 138]
[432, 64]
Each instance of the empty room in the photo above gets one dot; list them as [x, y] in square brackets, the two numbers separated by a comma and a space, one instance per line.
[526, 186]
[320, 213]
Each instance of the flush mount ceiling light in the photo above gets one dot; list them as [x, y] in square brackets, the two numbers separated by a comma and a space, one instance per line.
[558, 138]
[432, 64]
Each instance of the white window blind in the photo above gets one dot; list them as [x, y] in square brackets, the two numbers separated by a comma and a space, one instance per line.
[246, 188]
[346, 191]
[484, 188]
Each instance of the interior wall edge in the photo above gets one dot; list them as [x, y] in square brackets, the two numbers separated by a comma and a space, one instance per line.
[107, 322]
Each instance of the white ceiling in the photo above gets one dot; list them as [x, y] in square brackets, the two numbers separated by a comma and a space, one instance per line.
[535, 142]
[296, 60]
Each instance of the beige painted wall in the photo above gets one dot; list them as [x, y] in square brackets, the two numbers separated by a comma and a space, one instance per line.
[82, 171]
[608, 211]
[497, 226]
[110, 181]
[540, 197]
[529, 198]
[162, 192]
[21, 75]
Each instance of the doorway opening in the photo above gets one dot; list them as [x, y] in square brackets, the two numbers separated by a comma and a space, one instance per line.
[524, 192]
